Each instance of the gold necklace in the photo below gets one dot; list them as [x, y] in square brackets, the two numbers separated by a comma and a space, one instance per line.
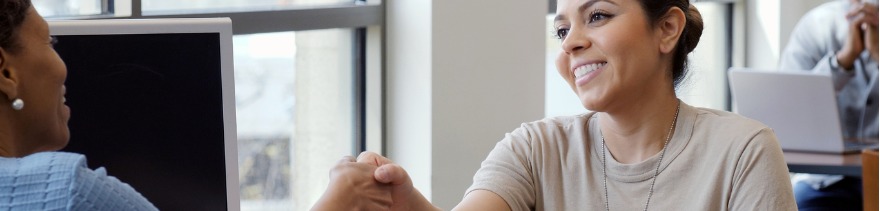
[656, 171]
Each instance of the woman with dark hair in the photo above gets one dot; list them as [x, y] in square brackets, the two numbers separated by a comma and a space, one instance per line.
[641, 148]
[33, 125]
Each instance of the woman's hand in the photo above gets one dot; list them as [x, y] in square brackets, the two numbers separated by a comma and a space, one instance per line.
[403, 194]
[353, 187]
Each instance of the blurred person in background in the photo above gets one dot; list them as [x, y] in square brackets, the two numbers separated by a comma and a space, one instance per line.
[839, 38]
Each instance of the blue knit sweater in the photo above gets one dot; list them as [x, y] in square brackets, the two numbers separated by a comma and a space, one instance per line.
[62, 181]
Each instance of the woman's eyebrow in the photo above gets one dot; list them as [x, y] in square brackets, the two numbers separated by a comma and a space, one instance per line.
[583, 7]
[559, 18]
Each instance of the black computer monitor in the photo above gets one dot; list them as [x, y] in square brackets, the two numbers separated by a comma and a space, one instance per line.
[152, 101]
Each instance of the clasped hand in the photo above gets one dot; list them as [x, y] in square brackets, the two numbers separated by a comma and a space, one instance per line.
[862, 19]
[371, 182]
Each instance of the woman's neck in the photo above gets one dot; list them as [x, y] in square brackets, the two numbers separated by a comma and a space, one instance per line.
[638, 130]
[9, 140]
[7, 147]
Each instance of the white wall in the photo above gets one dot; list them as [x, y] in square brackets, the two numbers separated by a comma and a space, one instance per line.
[459, 75]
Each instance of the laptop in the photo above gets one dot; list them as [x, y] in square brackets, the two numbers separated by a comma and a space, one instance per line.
[800, 107]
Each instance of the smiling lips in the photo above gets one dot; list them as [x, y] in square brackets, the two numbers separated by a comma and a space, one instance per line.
[584, 70]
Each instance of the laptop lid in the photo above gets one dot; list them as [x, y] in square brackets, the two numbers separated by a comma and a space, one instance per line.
[799, 106]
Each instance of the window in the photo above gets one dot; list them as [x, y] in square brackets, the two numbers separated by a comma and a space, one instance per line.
[170, 5]
[301, 79]
[294, 99]
[61, 8]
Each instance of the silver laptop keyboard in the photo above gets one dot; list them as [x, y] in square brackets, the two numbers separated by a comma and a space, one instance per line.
[857, 146]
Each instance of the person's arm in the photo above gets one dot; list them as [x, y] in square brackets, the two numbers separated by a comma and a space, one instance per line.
[406, 197]
[761, 180]
[862, 29]
[811, 44]
[506, 179]
[482, 200]
[806, 48]
[503, 182]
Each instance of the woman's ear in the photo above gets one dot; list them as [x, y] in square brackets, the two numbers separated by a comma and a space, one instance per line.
[670, 28]
[8, 77]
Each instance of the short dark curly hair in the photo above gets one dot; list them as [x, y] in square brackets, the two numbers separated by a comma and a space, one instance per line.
[12, 15]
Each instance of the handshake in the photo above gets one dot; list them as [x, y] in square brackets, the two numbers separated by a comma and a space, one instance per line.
[370, 182]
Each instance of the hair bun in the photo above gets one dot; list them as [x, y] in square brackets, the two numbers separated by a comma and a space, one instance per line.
[693, 28]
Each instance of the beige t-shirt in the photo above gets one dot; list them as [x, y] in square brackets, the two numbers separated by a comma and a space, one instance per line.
[716, 161]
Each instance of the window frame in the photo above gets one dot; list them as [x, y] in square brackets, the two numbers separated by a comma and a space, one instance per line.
[365, 17]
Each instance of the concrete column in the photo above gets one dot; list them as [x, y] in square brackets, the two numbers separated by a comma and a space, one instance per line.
[323, 130]
[460, 74]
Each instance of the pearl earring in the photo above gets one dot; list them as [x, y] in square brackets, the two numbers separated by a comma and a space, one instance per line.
[17, 104]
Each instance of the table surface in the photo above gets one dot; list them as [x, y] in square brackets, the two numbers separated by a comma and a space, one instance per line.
[824, 163]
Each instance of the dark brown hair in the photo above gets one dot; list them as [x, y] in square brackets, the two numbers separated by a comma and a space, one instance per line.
[693, 28]
[12, 14]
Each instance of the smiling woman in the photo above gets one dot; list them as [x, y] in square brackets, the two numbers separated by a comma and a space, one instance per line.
[609, 27]
[33, 73]
[33, 124]
[641, 149]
